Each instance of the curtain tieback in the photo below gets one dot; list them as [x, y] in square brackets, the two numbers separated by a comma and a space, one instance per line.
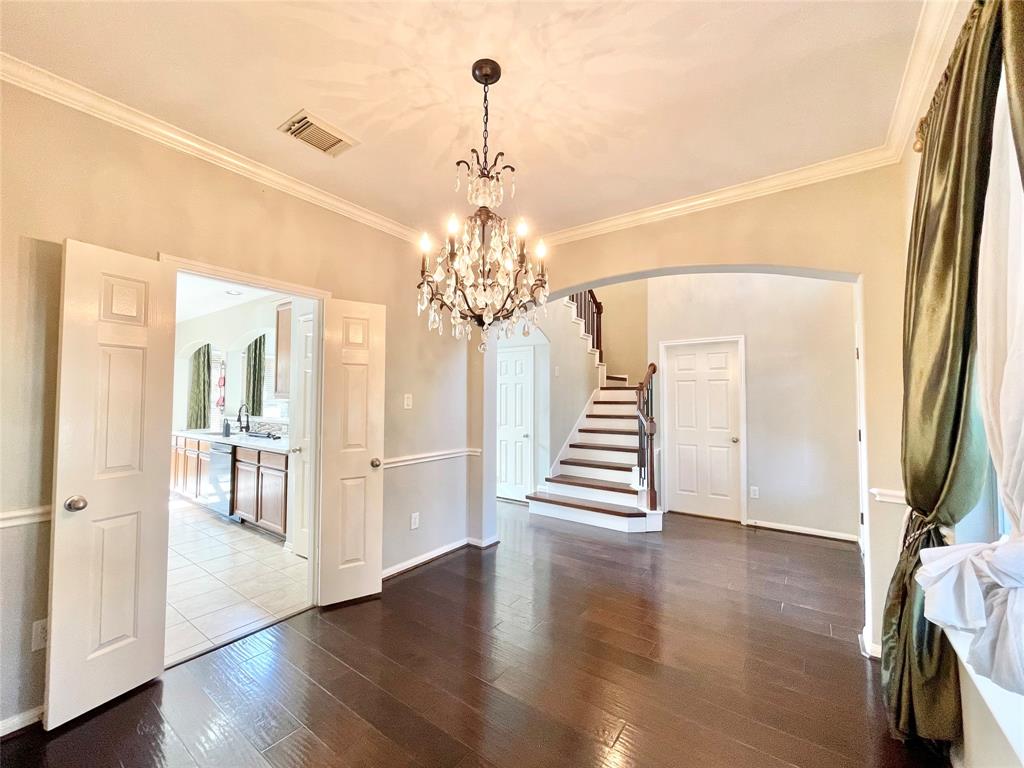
[911, 531]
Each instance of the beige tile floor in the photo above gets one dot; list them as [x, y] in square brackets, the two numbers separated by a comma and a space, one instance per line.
[224, 580]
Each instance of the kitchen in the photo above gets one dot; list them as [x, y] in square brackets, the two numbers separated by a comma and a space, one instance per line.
[240, 455]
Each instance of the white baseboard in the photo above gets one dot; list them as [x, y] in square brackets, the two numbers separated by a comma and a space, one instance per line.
[20, 720]
[867, 648]
[482, 543]
[412, 562]
[805, 530]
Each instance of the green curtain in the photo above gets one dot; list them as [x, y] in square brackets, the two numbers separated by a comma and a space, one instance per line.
[255, 361]
[944, 450]
[199, 390]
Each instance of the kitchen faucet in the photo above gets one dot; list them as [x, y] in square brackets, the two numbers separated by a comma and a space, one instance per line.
[242, 428]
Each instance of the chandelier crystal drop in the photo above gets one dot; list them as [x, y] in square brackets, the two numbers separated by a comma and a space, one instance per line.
[483, 275]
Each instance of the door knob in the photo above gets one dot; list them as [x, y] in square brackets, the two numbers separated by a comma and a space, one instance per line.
[75, 503]
[735, 439]
[375, 462]
[296, 449]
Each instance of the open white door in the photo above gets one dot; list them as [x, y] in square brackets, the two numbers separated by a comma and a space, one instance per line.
[515, 422]
[302, 429]
[352, 442]
[108, 548]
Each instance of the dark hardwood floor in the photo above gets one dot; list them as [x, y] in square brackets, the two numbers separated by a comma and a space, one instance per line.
[708, 645]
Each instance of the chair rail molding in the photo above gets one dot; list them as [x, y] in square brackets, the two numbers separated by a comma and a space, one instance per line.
[423, 458]
[71, 94]
[889, 496]
[27, 516]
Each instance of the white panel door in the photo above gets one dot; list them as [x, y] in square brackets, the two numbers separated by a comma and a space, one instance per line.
[515, 422]
[351, 478]
[108, 547]
[301, 427]
[702, 427]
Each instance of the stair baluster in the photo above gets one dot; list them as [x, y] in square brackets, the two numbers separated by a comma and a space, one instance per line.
[589, 310]
[647, 430]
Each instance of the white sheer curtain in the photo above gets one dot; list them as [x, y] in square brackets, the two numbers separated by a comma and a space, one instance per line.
[979, 588]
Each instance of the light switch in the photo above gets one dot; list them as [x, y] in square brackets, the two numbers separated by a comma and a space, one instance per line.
[755, 492]
[556, 371]
[414, 521]
[407, 402]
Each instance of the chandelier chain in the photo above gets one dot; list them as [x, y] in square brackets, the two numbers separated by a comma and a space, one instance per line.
[486, 89]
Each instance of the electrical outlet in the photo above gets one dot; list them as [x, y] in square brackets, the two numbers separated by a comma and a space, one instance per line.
[407, 402]
[40, 634]
[755, 492]
[414, 521]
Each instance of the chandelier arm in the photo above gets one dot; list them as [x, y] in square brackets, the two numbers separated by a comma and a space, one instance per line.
[497, 159]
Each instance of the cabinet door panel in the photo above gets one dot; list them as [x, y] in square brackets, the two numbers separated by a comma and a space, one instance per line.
[246, 498]
[273, 486]
[203, 488]
[191, 488]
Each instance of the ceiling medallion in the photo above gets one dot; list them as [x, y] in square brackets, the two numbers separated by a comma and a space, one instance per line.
[483, 275]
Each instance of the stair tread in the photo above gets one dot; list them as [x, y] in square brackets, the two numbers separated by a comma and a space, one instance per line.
[615, 402]
[591, 506]
[604, 447]
[618, 389]
[612, 465]
[617, 377]
[611, 416]
[609, 431]
[590, 482]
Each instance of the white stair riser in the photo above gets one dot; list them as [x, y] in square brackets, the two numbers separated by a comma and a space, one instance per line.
[619, 457]
[592, 494]
[625, 410]
[629, 441]
[597, 474]
[610, 423]
[628, 524]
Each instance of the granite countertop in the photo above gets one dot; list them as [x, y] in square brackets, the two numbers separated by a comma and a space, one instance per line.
[237, 438]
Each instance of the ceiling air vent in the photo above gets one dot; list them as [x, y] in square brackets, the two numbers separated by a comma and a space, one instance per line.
[317, 133]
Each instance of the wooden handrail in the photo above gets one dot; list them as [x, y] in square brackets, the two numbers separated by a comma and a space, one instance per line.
[647, 430]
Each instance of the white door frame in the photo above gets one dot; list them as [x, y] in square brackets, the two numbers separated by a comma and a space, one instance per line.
[663, 350]
[320, 296]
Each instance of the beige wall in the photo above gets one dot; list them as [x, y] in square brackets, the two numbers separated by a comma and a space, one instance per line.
[624, 328]
[68, 175]
[800, 385]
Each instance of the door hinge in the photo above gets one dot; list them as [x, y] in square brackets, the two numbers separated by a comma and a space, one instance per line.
[862, 518]
[859, 436]
[856, 351]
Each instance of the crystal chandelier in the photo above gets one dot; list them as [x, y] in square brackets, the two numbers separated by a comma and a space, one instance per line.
[483, 274]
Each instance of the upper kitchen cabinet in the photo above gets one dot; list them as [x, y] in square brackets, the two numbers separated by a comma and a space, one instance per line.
[283, 350]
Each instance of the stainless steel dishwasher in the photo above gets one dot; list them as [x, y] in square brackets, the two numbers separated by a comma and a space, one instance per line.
[217, 494]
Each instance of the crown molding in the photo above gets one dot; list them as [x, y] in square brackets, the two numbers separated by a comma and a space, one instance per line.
[71, 94]
[916, 86]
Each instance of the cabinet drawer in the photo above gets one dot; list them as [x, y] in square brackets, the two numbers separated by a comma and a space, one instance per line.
[204, 446]
[275, 460]
[191, 444]
[179, 442]
[247, 454]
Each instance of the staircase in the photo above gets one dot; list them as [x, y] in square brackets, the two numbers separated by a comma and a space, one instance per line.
[600, 477]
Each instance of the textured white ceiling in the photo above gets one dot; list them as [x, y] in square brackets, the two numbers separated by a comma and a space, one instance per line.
[605, 107]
